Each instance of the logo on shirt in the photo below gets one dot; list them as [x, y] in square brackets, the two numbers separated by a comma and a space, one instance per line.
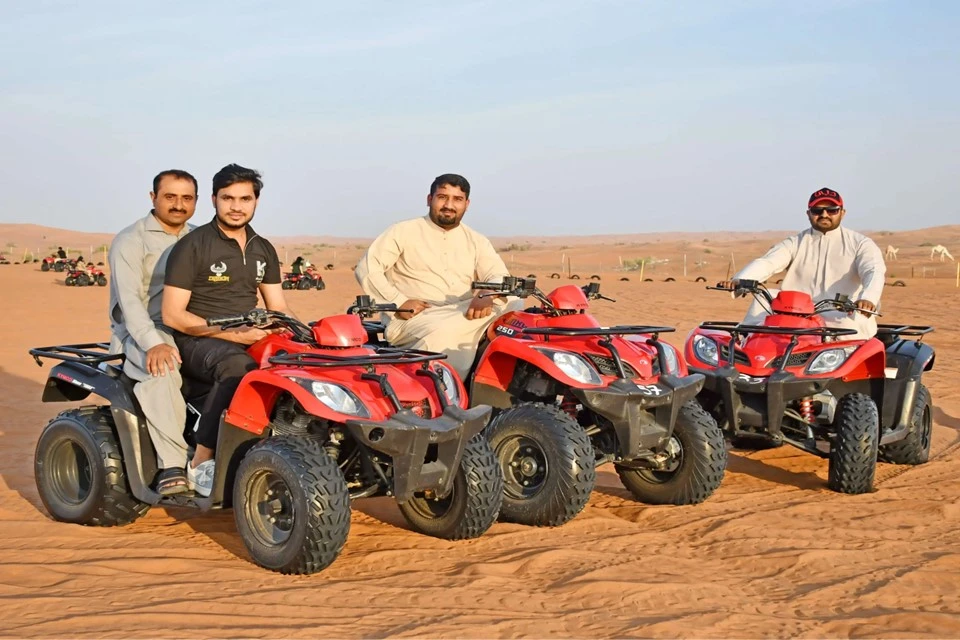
[261, 271]
[218, 270]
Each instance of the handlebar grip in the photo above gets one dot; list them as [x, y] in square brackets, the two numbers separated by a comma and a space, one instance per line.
[492, 286]
[216, 322]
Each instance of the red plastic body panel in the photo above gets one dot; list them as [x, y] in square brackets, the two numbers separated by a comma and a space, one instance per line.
[508, 345]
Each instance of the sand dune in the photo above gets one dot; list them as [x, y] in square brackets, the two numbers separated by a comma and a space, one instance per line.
[772, 553]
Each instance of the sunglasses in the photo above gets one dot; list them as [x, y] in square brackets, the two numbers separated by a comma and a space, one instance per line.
[815, 211]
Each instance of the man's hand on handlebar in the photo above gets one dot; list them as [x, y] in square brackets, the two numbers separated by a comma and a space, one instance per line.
[480, 307]
[866, 305]
[411, 308]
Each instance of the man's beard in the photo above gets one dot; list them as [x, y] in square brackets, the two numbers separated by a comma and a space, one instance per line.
[229, 224]
[446, 219]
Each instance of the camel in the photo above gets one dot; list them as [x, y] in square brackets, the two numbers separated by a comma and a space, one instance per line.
[891, 253]
[942, 250]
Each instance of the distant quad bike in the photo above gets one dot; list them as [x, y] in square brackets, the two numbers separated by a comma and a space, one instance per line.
[794, 380]
[56, 263]
[85, 278]
[309, 279]
[569, 395]
[324, 421]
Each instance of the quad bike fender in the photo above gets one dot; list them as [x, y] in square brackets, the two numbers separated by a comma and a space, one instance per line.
[139, 455]
[71, 381]
[256, 396]
[497, 367]
[426, 453]
[906, 362]
[643, 416]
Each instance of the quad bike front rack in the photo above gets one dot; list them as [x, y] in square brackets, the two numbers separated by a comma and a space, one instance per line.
[654, 340]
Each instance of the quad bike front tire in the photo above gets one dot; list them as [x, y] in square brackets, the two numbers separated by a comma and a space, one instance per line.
[70, 281]
[101, 280]
[83, 280]
[853, 452]
[44, 266]
[697, 469]
[320, 285]
[304, 284]
[473, 503]
[78, 467]
[291, 505]
[915, 446]
[286, 285]
[547, 462]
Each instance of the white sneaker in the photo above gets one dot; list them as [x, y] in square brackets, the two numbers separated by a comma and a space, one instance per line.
[200, 478]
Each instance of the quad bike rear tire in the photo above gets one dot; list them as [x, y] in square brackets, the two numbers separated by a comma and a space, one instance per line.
[78, 467]
[853, 452]
[286, 285]
[544, 447]
[291, 505]
[915, 447]
[70, 282]
[83, 280]
[44, 266]
[58, 266]
[304, 284]
[700, 466]
[473, 503]
[101, 280]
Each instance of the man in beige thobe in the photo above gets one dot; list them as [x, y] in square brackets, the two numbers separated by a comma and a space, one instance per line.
[825, 260]
[426, 266]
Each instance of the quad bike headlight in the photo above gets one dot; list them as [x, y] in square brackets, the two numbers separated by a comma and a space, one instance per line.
[671, 363]
[338, 398]
[573, 365]
[451, 388]
[706, 349]
[829, 360]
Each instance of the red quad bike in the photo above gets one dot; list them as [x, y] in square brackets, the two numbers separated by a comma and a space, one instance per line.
[569, 395]
[794, 380]
[309, 279]
[56, 263]
[324, 421]
[85, 278]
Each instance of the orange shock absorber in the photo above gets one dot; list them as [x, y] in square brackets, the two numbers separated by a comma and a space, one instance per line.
[806, 409]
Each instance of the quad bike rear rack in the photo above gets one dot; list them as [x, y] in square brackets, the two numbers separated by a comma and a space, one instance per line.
[89, 353]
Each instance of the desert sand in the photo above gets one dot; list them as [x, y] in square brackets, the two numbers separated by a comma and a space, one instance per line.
[771, 553]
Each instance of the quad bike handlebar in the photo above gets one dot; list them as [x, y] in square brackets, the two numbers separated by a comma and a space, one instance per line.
[840, 303]
[365, 307]
[527, 287]
[263, 319]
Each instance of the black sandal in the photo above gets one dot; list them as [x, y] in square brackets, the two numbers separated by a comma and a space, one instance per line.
[172, 481]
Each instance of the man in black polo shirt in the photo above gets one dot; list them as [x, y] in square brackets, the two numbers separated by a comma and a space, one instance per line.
[216, 270]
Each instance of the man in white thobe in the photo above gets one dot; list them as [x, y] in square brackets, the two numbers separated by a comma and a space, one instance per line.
[825, 260]
[426, 266]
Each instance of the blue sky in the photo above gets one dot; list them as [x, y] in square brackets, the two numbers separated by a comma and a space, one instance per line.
[567, 116]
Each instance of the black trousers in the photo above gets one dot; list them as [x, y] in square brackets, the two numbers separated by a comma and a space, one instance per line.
[221, 363]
